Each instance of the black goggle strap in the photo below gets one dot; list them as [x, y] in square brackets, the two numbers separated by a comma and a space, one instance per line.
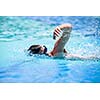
[45, 50]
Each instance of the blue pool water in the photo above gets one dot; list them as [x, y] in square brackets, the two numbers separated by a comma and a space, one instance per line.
[18, 33]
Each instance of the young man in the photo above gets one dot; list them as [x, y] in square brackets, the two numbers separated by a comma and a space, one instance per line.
[58, 50]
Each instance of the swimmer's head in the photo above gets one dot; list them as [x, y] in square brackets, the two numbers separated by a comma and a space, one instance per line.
[37, 49]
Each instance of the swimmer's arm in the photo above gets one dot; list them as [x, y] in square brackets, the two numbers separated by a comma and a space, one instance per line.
[60, 43]
[75, 56]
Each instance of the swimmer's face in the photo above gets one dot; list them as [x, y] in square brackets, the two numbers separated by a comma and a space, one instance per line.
[42, 50]
[37, 49]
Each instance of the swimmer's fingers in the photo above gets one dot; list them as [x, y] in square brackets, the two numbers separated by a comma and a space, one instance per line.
[56, 32]
[58, 29]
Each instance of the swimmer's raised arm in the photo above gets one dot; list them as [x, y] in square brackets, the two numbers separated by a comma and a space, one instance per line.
[65, 29]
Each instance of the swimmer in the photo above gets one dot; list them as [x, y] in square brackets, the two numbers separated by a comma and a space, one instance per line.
[58, 50]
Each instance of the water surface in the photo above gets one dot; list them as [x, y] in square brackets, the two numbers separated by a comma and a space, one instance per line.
[18, 33]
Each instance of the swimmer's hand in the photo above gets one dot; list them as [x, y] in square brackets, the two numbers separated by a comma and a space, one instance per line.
[64, 28]
[56, 32]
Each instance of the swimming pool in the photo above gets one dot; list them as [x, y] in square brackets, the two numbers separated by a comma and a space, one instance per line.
[18, 33]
